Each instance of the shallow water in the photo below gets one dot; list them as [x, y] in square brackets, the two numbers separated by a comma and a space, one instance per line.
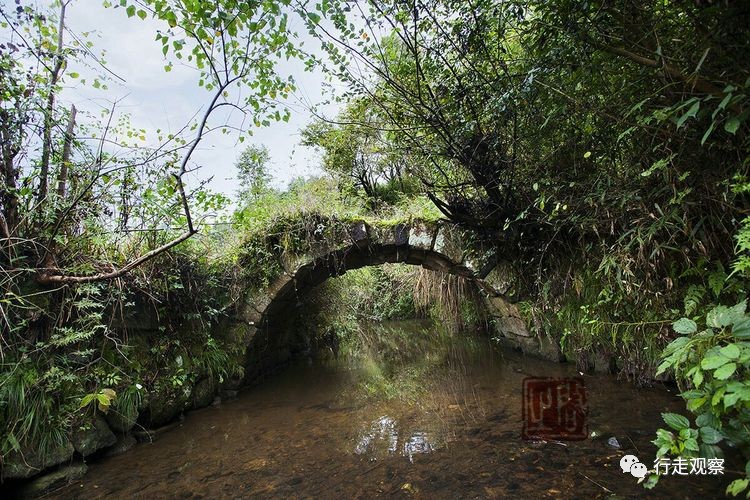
[439, 419]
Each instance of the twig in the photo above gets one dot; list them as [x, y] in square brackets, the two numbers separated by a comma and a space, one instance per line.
[591, 480]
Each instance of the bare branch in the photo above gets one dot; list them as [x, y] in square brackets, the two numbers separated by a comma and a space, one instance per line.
[48, 279]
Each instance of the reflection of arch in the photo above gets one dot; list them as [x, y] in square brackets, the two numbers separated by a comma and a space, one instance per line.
[439, 247]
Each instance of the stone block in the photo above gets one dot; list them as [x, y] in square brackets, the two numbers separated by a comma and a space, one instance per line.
[358, 234]
[401, 234]
[436, 262]
[501, 278]
[421, 237]
[448, 243]
[381, 235]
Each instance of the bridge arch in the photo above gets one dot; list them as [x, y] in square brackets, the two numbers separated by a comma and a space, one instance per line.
[435, 246]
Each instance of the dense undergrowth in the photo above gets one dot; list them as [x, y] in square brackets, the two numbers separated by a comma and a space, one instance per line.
[151, 332]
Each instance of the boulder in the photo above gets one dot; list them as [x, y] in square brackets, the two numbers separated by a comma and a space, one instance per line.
[165, 405]
[93, 436]
[204, 392]
[511, 325]
[20, 465]
[121, 419]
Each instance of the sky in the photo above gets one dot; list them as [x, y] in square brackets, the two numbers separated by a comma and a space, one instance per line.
[156, 99]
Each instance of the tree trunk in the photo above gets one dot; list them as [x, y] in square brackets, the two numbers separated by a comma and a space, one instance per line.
[62, 178]
[49, 110]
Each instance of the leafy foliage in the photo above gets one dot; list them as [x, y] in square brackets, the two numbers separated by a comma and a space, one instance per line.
[713, 367]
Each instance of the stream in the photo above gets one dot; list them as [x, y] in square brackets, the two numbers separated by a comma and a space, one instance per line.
[414, 412]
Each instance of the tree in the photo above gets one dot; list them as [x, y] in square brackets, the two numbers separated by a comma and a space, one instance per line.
[234, 46]
[252, 172]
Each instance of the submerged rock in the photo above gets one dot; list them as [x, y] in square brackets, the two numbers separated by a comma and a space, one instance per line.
[227, 394]
[93, 437]
[233, 382]
[60, 477]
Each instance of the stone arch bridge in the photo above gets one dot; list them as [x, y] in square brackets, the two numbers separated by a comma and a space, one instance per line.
[433, 245]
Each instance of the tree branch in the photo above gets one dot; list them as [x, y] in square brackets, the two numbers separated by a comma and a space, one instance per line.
[48, 279]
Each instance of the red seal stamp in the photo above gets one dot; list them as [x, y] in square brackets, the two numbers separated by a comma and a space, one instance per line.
[554, 408]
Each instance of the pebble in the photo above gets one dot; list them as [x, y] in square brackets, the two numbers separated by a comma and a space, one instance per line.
[614, 443]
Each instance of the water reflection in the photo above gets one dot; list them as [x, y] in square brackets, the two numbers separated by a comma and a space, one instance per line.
[382, 439]
[418, 442]
[413, 412]
[383, 433]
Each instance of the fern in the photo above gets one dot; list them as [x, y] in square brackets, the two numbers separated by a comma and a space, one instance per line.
[65, 336]
[716, 281]
[693, 298]
[742, 249]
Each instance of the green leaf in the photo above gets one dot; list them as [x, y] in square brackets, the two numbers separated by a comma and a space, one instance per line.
[725, 371]
[315, 18]
[15, 445]
[731, 399]
[709, 435]
[716, 398]
[707, 420]
[694, 404]
[721, 316]
[685, 326]
[142, 13]
[689, 114]
[675, 421]
[130, 10]
[741, 329]
[737, 486]
[731, 351]
[732, 125]
[664, 437]
[713, 362]
[87, 399]
[698, 378]
[708, 133]
[676, 345]
[691, 444]
[692, 394]
[73, 74]
[716, 282]
[709, 451]
[651, 481]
